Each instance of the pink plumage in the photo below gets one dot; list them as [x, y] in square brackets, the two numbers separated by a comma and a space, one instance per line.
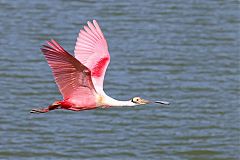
[73, 78]
[80, 78]
[92, 51]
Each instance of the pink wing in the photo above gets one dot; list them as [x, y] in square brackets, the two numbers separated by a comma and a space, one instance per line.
[92, 50]
[72, 77]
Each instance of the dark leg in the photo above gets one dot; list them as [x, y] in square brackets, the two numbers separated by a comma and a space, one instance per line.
[55, 105]
[42, 110]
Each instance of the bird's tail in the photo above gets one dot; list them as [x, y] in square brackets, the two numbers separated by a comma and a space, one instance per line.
[55, 105]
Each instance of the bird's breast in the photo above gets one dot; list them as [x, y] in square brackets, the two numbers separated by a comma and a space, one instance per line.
[100, 101]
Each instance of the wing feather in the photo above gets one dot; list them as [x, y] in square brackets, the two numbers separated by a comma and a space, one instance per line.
[73, 78]
[92, 51]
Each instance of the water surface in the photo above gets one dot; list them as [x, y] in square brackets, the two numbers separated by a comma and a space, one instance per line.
[186, 53]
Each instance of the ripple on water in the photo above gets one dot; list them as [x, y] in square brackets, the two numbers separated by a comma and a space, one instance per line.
[184, 53]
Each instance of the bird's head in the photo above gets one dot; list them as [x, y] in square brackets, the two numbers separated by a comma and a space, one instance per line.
[141, 101]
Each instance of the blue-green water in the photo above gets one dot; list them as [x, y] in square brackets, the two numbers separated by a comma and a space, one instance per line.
[185, 52]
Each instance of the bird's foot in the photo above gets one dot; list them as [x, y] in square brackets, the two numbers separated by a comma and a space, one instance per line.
[43, 110]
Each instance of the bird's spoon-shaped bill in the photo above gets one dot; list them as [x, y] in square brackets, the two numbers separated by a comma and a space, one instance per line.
[162, 102]
[144, 101]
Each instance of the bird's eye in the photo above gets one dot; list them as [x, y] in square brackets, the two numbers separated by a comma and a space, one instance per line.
[135, 100]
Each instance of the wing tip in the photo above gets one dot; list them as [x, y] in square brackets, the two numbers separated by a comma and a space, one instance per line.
[95, 21]
[52, 45]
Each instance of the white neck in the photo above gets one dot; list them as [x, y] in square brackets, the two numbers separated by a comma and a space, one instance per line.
[114, 103]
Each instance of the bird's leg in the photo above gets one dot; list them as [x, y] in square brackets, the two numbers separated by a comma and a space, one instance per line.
[42, 110]
[55, 105]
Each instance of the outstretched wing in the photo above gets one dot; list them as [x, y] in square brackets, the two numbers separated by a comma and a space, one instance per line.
[72, 77]
[92, 51]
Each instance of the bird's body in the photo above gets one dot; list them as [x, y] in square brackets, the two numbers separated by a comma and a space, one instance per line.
[80, 78]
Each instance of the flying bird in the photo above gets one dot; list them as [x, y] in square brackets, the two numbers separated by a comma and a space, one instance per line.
[80, 78]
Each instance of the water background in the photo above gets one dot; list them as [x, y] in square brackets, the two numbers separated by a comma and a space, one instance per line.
[185, 52]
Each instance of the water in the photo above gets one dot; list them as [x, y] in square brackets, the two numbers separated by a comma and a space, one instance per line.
[183, 52]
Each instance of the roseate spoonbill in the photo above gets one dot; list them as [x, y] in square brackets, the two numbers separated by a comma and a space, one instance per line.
[80, 78]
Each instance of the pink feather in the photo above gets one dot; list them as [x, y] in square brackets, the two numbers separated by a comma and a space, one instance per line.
[73, 78]
[92, 51]
[80, 78]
